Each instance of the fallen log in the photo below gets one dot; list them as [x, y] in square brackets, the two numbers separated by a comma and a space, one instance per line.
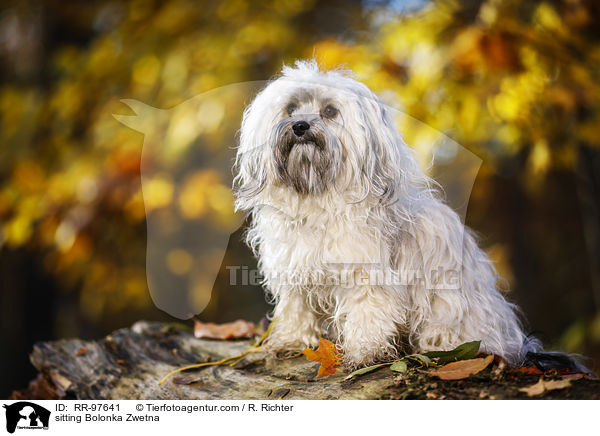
[129, 363]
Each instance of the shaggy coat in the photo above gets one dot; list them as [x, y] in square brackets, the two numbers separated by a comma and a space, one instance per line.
[352, 238]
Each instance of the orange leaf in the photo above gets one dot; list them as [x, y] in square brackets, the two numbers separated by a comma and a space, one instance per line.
[528, 370]
[327, 355]
[462, 368]
[230, 330]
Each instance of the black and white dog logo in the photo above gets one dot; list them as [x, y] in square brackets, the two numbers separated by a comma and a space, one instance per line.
[26, 415]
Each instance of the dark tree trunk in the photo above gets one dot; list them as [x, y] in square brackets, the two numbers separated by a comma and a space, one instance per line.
[588, 190]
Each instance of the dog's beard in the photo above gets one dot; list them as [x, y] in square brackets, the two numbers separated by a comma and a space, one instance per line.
[309, 163]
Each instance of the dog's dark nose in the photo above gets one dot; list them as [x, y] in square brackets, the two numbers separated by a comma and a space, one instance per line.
[300, 127]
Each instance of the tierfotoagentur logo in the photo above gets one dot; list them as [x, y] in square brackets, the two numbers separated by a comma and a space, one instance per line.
[346, 276]
[25, 415]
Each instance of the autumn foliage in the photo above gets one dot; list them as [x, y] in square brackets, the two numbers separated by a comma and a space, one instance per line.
[326, 354]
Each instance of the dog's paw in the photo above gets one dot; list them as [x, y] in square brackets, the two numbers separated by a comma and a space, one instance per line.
[350, 364]
[284, 351]
[360, 357]
[285, 341]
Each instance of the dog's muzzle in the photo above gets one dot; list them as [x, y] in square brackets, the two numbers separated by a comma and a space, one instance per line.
[305, 154]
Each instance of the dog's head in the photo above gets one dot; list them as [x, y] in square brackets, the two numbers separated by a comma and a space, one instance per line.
[314, 132]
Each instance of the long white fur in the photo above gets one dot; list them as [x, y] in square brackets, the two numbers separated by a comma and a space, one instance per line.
[381, 209]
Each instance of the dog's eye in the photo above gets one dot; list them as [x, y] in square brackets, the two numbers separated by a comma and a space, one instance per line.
[291, 108]
[330, 111]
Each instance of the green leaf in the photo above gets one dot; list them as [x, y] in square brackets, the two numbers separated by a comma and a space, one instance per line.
[465, 351]
[422, 358]
[364, 371]
[399, 366]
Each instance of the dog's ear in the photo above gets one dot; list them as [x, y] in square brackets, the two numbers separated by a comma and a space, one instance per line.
[389, 167]
[250, 165]
[380, 163]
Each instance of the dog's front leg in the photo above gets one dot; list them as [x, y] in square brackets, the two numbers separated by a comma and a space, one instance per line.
[367, 320]
[296, 326]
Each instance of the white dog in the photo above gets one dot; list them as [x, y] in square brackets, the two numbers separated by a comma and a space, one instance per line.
[342, 215]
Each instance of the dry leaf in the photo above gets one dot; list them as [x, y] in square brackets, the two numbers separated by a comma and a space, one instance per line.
[81, 351]
[327, 355]
[545, 385]
[230, 330]
[574, 376]
[528, 370]
[462, 368]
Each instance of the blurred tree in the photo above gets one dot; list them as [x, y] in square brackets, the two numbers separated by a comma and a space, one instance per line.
[70, 171]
